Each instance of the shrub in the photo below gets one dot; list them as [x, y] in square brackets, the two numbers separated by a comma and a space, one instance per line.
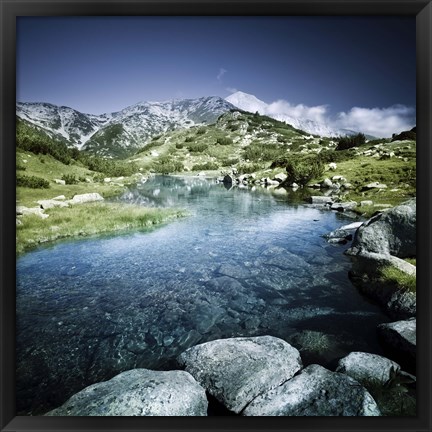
[350, 141]
[32, 182]
[201, 131]
[303, 170]
[69, 179]
[229, 162]
[205, 166]
[189, 139]
[38, 142]
[262, 152]
[179, 145]
[405, 135]
[224, 141]
[197, 147]
[248, 168]
[20, 167]
[110, 168]
[166, 165]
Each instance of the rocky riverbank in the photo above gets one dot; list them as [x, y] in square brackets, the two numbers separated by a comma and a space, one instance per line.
[380, 247]
[256, 376]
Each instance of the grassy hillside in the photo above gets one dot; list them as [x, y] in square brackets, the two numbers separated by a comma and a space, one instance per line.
[242, 142]
[250, 143]
[41, 161]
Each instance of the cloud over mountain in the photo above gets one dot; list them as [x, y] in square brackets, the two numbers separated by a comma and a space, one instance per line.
[379, 122]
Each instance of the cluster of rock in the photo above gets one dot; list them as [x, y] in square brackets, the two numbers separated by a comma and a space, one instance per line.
[382, 241]
[232, 178]
[382, 151]
[255, 376]
[58, 201]
[385, 240]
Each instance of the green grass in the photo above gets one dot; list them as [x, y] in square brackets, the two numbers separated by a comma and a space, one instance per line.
[88, 219]
[403, 281]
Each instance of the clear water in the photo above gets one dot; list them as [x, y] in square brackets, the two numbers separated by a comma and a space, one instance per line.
[245, 262]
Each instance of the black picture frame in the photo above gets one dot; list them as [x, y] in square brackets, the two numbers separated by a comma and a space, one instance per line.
[10, 9]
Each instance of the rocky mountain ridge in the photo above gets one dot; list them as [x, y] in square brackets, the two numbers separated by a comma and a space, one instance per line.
[121, 133]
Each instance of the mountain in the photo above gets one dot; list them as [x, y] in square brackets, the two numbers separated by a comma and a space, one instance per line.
[121, 133]
[250, 103]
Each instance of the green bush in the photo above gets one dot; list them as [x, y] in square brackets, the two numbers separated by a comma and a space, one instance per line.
[248, 168]
[348, 142]
[209, 166]
[31, 139]
[263, 152]
[189, 139]
[32, 182]
[197, 147]
[20, 167]
[69, 179]
[224, 141]
[229, 161]
[201, 131]
[166, 165]
[179, 146]
[405, 135]
[109, 167]
[303, 170]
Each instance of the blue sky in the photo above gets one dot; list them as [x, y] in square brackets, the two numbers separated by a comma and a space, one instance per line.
[103, 64]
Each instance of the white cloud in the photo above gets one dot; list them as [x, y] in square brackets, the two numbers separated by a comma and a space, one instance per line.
[284, 108]
[231, 89]
[221, 73]
[380, 122]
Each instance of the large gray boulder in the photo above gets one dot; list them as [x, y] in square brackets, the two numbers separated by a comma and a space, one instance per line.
[139, 392]
[237, 370]
[368, 369]
[84, 198]
[400, 336]
[366, 275]
[392, 232]
[315, 392]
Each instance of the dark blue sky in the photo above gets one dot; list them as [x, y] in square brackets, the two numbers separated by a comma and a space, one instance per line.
[104, 64]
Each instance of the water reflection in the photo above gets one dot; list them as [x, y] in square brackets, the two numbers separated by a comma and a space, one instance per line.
[246, 262]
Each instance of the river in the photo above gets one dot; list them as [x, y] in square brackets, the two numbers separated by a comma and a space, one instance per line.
[246, 262]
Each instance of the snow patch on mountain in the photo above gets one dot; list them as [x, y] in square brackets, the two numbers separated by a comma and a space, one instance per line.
[128, 129]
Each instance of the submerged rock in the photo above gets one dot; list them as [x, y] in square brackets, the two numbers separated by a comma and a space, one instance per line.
[368, 369]
[321, 200]
[315, 392]
[139, 392]
[237, 370]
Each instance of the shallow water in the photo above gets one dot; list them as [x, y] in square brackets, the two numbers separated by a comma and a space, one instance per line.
[244, 263]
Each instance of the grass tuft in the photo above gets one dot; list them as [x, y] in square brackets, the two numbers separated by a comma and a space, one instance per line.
[88, 219]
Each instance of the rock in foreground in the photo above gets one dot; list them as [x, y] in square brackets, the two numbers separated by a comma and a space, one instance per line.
[368, 368]
[139, 392]
[400, 336]
[315, 392]
[392, 232]
[237, 370]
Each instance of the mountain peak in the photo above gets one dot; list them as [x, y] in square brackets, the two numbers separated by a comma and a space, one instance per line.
[247, 102]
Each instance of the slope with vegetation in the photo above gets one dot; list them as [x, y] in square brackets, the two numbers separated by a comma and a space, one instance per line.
[48, 168]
